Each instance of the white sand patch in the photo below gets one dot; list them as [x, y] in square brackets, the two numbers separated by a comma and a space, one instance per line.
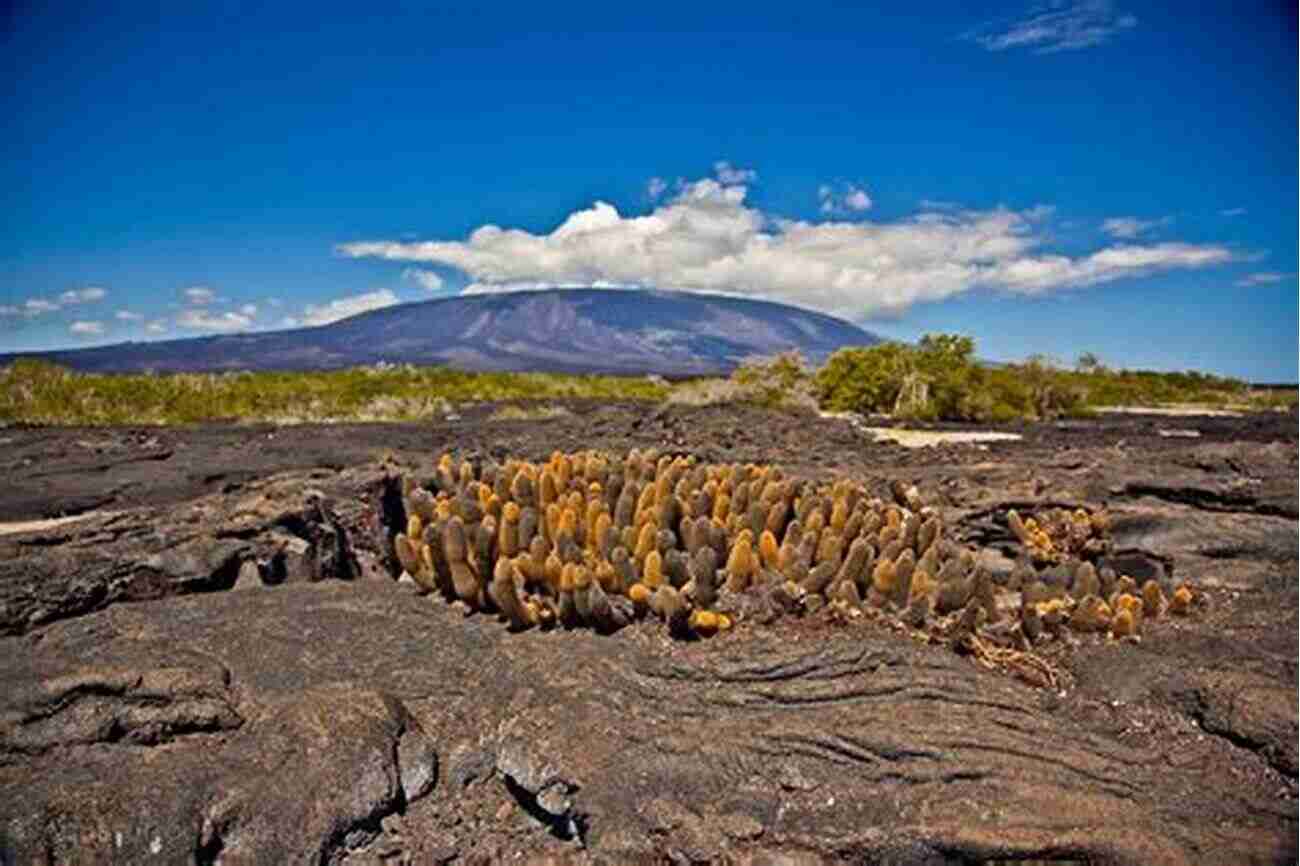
[24, 526]
[1176, 411]
[923, 438]
[1179, 434]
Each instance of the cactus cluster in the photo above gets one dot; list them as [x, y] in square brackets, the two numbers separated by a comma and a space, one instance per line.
[590, 540]
[1058, 534]
[1059, 583]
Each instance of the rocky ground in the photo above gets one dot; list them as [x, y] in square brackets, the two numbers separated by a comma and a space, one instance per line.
[206, 659]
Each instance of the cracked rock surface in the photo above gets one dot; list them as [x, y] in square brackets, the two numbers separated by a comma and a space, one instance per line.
[325, 713]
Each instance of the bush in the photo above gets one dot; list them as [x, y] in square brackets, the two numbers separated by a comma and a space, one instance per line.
[939, 379]
[865, 380]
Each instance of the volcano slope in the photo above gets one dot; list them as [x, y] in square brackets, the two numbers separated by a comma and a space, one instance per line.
[206, 658]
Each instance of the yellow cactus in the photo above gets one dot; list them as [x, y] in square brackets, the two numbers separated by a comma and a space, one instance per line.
[1181, 603]
[652, 572]
[830, 548]
[768, 551]
[645, 543]
[740, 563]
[1053, 611]
[883, 578]
[601, 534]
[1125, 624]
[667, 603]
[1091, 614]
[568, 526]
[815, 523]
[563, 471]
[553, 570]
[464, 581]
[721, 507]
[640, 595]
[704, 622]
[839, 514]
[1153, 599]
[407, 554]
[508, 531]
[923, 585]
[547, 489]
[504, 592]
[647, 499]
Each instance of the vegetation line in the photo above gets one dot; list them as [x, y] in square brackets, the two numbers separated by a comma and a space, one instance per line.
[936, 379]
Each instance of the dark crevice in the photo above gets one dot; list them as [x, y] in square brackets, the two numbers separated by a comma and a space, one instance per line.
[1209, 500]
[296, 525]
[392, 519]
[243, 534]
[224, 575]
[44, 541]
[1199, 712]
[355, 834]
[568, 827]
[208, 852]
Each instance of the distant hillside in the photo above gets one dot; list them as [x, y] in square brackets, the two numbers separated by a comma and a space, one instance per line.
[554, 330]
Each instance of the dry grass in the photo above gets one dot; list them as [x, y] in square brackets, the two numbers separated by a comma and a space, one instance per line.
[528, 413]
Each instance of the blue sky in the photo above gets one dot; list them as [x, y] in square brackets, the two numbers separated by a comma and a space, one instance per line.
[1050, 178]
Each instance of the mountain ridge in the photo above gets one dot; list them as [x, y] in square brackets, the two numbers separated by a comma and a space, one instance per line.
[629, 331]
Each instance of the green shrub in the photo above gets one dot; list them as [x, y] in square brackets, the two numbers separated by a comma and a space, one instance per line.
[865, 379]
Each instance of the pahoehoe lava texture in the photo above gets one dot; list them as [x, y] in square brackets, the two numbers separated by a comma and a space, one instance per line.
[170, 694]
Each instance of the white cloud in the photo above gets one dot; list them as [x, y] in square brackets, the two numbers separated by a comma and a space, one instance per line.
[38, 306]
[1233, 212]
[202, 320]
[33, 307]
[656, 187]
[1131, 227]
[729, 175]
[82, 296]
[341, 308]
[290, 322]
[427, 280]
[249, 310]
[857, 200]
[199, 295]
[1061, 25]
[850, 198]
[157, 326]
[127, 316]
[1263, 278]
[87, 329]
[708, 239]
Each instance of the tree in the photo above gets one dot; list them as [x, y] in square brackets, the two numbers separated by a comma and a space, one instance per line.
[1088, 362]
